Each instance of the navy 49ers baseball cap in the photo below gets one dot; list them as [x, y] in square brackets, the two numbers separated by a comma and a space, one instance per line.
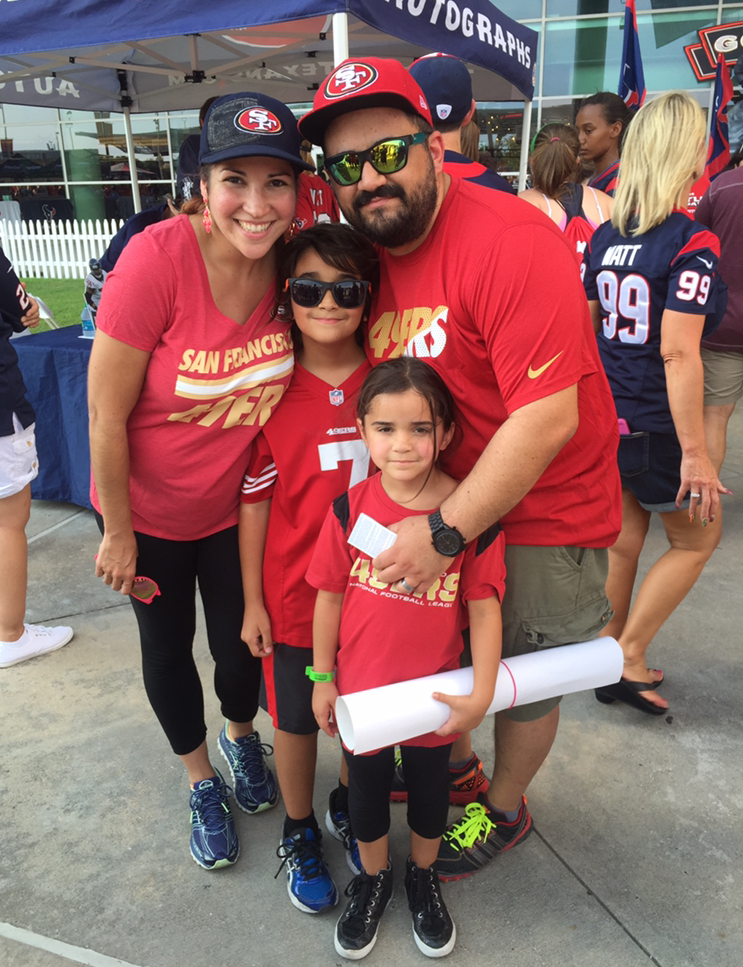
[241, 125]
[446, 82]
[361, 83]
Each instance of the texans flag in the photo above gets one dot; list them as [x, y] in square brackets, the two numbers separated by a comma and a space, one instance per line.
[718, 153]
[631, 78]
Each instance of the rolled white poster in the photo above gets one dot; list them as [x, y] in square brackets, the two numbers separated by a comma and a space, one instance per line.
[383, 716]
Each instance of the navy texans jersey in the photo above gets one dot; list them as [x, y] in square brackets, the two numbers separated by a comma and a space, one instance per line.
[14, 302]
[606, 181]
[635, 278]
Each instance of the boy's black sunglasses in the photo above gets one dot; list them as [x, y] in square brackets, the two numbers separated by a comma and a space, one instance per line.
[307, 293]
[386, 157]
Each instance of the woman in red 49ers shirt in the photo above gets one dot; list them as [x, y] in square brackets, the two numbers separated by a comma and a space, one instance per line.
[187, 365]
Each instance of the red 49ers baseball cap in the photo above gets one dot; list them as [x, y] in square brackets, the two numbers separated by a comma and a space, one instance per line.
[241, 125]
[360, 83]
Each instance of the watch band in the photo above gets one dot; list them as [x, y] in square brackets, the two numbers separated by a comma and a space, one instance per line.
[447, 540]
[319, 676]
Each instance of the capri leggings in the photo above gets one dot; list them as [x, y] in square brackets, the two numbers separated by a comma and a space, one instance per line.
[370, 783]
[167, 627]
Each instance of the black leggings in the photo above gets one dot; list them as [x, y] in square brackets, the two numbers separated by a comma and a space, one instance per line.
[167, 627]
[426, 779]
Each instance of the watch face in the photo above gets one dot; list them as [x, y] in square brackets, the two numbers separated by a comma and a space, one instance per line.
[449, 543]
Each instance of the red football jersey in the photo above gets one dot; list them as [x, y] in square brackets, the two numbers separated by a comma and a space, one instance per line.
[387, 637]
[315, 201]
[308, 453]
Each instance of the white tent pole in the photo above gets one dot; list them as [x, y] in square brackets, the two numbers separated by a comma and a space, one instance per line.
[132, 161]
[525, 132]
[340, 38]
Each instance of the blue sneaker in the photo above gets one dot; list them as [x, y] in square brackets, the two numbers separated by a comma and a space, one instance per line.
[214, 841]
[253, 782]
[338, 824]
[308, 882]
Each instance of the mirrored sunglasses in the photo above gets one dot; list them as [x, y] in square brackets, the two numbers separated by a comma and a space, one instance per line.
[349, 294]
[145, 590]
[386, 157]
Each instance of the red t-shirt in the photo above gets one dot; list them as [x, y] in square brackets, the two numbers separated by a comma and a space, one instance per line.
[315, 201]
[387, 637]
[492, 301]
[308, 454]
[210, 384]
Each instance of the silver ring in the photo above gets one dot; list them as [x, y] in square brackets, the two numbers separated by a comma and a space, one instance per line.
[692, 494]
[405, 586]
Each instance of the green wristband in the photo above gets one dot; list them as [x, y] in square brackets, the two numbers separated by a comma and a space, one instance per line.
[319, 676]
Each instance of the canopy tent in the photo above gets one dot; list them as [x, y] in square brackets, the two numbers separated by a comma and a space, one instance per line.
[85, 58]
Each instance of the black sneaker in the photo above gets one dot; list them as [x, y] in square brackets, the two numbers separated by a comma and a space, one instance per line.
[433, 930]
[356, 931]
[478, 837]
[338, 824]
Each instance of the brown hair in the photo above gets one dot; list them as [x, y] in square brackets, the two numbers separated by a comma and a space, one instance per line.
[470, 140]
[555, 160]
[407, 373]
[337, 244]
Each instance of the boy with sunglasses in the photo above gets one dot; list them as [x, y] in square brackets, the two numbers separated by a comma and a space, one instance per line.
[485, 290]
[308, 454]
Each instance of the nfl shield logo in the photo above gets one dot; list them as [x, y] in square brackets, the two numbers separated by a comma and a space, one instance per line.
[336, 396]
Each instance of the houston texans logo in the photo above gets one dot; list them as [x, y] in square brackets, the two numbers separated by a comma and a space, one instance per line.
[258, 120]
[350, 78]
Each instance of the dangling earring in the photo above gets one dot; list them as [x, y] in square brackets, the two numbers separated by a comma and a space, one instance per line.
[291, 231]
[207, 217]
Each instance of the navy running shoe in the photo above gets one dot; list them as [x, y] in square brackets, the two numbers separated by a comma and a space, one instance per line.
[308, 882]
[214, 841]
[338, 824]
[254, 783]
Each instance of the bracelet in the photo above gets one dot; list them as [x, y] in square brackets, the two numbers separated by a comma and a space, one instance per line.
[319, 676]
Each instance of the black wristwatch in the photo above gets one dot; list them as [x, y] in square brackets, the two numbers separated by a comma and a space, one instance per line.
[447, 540]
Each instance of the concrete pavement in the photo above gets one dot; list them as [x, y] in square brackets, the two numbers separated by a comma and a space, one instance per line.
[636, 858]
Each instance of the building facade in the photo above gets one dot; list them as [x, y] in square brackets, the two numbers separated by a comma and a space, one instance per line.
[58, 163]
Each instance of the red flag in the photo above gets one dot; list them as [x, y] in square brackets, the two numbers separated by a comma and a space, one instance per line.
[718, 152]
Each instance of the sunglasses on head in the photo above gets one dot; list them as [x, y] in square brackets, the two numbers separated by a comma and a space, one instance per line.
[307, 293]
[386, 157]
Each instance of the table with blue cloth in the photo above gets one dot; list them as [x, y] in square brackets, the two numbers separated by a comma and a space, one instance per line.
[55, 370]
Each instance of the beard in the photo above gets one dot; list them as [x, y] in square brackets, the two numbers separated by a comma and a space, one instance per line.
[407, 223]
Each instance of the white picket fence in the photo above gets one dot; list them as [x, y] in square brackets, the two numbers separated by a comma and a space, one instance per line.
[55, 250]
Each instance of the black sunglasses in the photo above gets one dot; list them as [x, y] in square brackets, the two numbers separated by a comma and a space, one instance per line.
[386, 157]
[307, 293]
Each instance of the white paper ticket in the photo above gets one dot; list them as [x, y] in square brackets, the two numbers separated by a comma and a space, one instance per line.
[370, 537]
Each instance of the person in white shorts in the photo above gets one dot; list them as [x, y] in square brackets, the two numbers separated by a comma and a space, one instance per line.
[18, 467]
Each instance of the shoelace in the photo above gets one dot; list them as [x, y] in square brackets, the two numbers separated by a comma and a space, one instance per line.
[343, 823]
[304, 853]
[210, 804]
[364, 891]
[476, 824]
[249, 762]
[427, 898]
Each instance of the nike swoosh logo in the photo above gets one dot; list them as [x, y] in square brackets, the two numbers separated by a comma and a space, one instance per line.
[533, 373]
[705, 262]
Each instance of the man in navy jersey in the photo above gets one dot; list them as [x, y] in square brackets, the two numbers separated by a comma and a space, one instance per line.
[447, 85]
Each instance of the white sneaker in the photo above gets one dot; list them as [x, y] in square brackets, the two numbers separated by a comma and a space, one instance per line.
[35, 640]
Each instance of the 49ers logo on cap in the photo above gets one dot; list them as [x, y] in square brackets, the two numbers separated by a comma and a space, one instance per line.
[258, 120]
[350, 78]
